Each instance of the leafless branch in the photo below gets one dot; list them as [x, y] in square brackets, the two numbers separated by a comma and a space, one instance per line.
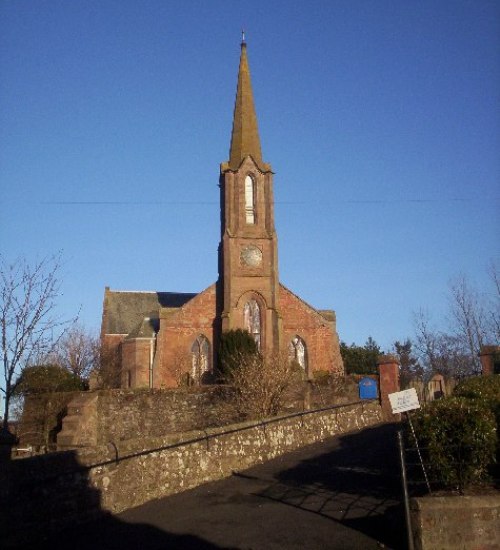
[28, 324]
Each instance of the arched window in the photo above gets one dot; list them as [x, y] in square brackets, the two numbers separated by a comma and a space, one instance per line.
[200, 359]
[297, 352]
[251, 316]
[249, 200]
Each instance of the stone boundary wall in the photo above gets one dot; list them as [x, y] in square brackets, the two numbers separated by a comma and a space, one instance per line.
[104, 416]
[119, 415]
[46, 492]
[456, 522]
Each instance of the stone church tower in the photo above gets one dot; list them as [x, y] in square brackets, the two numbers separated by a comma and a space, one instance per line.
[160, 339]
[248, 252]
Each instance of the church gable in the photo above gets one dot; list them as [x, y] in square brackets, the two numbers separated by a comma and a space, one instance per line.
[297, 312]
[199, 311]
[309, 335]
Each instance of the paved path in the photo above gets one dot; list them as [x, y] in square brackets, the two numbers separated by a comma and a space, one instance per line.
[340, 494]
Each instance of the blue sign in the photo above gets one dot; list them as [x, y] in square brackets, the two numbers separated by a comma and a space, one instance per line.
[368, 388]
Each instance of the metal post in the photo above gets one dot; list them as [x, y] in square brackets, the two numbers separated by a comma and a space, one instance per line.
[405, 491]
[419, 453]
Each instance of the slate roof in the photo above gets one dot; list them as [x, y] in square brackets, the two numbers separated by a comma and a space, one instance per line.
[125, 311]
[146, 328]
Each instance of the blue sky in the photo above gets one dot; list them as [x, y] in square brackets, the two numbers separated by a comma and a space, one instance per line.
[380, 119]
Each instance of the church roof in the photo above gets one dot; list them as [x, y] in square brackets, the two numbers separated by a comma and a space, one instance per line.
[147, 328]
[245, 139]
[125, 311]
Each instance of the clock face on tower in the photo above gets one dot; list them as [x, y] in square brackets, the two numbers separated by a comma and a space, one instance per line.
[251, 256]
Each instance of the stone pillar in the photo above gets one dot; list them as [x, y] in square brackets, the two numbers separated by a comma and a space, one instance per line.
[388, 367]
[490, 360]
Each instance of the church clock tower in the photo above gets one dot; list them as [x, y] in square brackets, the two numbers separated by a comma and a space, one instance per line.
[248, 251]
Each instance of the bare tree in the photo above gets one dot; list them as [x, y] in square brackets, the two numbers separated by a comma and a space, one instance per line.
[473, 321]
[446, 353]
[468, 319]
[494, 303]
[426, 340]
[260, 384]
[27, 317]
[77, 351]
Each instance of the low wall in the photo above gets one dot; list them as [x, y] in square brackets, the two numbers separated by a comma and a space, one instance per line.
[456, 522]
[116, 415]
[76, 485]
[42, 418]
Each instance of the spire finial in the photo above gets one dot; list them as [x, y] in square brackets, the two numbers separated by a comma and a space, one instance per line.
[243, 37]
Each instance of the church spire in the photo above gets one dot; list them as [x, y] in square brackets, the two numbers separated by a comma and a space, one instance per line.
[245, 136]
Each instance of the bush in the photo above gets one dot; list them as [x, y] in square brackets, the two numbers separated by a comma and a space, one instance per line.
[40, 379]
[260, 384]
[486, 388]
[458, 439]
[322, 377]
[235, 347]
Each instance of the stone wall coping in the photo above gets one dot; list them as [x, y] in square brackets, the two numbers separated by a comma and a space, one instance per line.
[387, 359]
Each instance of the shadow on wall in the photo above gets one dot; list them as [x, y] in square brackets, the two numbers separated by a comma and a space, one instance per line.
[357, 484]
[63, 511]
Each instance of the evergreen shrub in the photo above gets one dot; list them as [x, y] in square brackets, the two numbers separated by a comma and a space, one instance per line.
[480, 387]
[458, 438]
[486, 389]
[235, 346]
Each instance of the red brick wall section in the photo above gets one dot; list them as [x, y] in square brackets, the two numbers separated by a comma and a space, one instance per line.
[389, 381]
[319, 334]
[178, 330]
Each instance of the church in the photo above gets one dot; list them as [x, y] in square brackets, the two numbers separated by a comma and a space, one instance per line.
[163, 339]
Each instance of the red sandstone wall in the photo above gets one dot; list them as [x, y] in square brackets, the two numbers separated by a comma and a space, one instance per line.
[111, 350]
[112, 341]
[319, 334]
[178, 330]
[136, 356]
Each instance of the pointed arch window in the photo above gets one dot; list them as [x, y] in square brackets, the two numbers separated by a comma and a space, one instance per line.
[298, 352]
[200, 359]
[249, 200]
[252, 320]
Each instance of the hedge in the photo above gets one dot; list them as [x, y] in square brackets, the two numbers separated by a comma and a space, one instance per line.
[458, 439]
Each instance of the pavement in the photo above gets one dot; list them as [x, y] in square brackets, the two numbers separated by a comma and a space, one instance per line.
[343, 493]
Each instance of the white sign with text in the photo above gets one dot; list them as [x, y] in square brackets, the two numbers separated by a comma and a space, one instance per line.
[403, 401]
